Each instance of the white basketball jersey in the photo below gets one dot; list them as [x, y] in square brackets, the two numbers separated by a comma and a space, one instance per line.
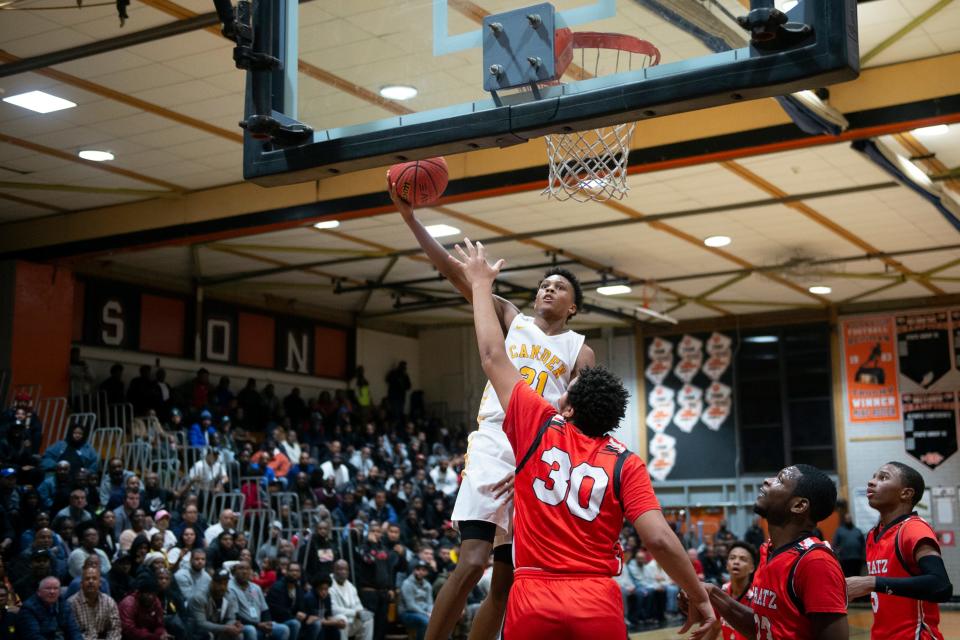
[545, 362]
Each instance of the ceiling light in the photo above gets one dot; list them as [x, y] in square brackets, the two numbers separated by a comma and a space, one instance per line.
[398, 92]
[442, 230]
[820, 289]
[935, 130]
[95, 155]
[327, 224]
[761, 339]
[717, 241]
[613, 289]
[40, 102]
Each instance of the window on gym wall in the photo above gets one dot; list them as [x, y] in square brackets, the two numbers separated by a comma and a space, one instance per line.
[784, 398]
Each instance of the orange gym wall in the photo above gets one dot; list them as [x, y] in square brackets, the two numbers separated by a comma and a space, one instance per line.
[255, 342]
[161, 324]
[42, 327]
[330, 353]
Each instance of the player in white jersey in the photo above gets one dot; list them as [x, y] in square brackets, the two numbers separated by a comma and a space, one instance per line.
[548, 356]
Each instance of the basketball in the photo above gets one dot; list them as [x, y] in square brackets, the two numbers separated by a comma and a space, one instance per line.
[420, 182]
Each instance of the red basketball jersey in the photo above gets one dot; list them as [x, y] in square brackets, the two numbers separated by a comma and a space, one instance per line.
[571, 491]
[890, 554]
[726, 631]
[793, 581]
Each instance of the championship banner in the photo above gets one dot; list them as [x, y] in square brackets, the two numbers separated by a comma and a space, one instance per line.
[930, 426]
[870, 367]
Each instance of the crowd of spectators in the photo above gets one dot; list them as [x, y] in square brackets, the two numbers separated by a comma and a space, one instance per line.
[99, 550]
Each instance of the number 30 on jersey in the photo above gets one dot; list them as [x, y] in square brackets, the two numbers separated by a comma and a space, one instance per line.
[563, 484]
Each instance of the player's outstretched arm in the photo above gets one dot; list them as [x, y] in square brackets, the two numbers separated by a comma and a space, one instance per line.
[445, 263]
[493, 354]
[662, 542]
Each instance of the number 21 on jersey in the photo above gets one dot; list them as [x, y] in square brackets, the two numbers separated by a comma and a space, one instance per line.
[537, 381]
[563, 484]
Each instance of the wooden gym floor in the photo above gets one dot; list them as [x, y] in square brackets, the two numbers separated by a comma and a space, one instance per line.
[859, 627]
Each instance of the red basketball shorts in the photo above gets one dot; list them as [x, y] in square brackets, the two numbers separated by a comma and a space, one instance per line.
[558, 607]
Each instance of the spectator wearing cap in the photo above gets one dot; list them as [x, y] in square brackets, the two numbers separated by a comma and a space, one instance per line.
[162, 526]
[346, 606]
[445, 478]
[113, 386]
[192, 577]
[74, 449]
[213, 612]
[228, 520]
[114, 481]
[89, 536]
[40, 567]
[141, 614]
[46, 616]
[223, 549]
[416, 600]
[209, 473]
[252, 609]
[197, 436]
[96, 613]
[270, 547]
[288, 605]
[55, 490]
[76, 510]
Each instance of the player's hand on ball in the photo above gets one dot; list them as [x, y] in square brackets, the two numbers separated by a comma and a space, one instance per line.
[402, 205]
[474, 263]
[504, 487]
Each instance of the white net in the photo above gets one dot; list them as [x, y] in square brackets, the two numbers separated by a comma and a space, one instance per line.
[592, 164]
[589, 165]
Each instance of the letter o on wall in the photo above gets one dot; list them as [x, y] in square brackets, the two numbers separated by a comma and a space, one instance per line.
[218, 340]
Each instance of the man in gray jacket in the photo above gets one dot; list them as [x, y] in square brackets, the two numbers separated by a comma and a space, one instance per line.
[214, 612]
[416, 600]
[192, 579]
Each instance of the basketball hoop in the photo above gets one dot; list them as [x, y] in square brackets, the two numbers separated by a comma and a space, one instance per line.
[592, 164]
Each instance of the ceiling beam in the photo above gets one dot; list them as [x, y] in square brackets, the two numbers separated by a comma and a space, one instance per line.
[814, 215]
[130, 101]
[98, 47]
[372, 285]
[721, 253]
[901, 32]
[99, 166]
[33, 203]
[505, 235]
[79, 188]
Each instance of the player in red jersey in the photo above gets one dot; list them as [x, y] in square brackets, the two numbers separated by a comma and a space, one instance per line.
[741, 563]
[799, 591]
[907, 575]
[573, 486]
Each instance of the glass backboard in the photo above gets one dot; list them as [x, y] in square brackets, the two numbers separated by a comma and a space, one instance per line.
[380, 81]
